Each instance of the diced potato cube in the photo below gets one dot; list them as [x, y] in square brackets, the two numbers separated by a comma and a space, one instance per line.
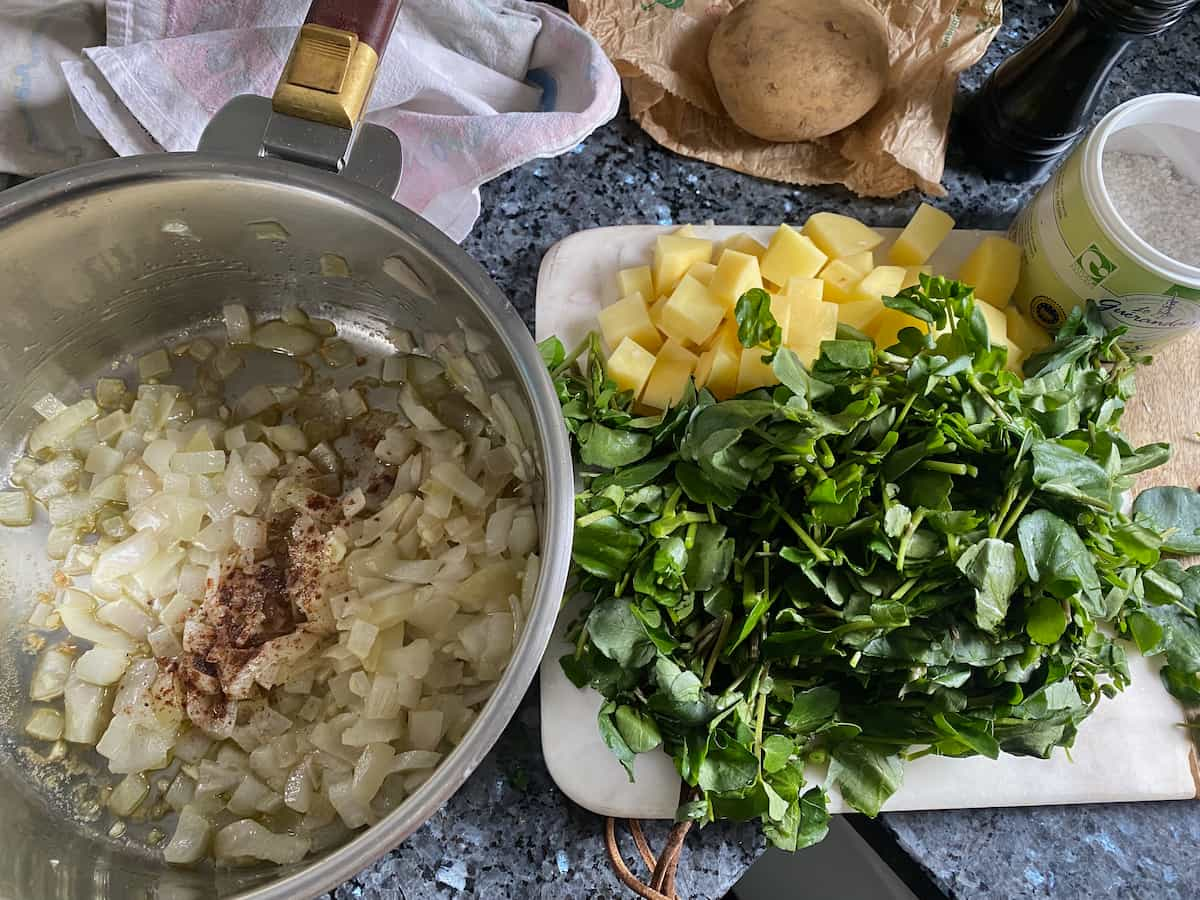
[727, 336]
[673, 254]
[674, 351]
[804, 306]
[743, 243]
[992, 269]
[702, 272]
[821, 327]
[860, 314]
[922, 235]
[629, 366]
[691, 313]
[837, 235]
[736, 273]
[789, 254]
[862, 262]
[666, 383]
[885, 328]
[637, 280]
[688, 230]
[912, 275]
[1016, 357]
[1024, 332]
[997, 324]
[781, 309]
[883, 281]
[840, 278]
[717, 370]
[810, 289]
[656, 310]
[628, 318]
[753, 372]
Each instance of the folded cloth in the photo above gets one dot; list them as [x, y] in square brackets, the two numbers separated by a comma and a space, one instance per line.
[37, 130]
[472, 88]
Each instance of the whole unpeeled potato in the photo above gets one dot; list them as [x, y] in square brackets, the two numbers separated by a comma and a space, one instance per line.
[793, 70]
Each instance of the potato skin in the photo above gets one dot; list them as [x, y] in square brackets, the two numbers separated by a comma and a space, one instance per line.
[794, 70]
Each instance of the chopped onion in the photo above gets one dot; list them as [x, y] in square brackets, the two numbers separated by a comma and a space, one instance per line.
[16, 508]
[282, 337]
[127, 556]
[180, 793]
[57, 431]
[425, 728]
[129, 794]
[154, 365]
[84, 708]
[190, 841]
[425, 578]
[238, 327]
[102, 666]
[49, 407]
[248, 533]
[45, 724]
[288, 438]
[372, 767]
[253, 796]
[416, 412]
[82, 625]
[203, 462]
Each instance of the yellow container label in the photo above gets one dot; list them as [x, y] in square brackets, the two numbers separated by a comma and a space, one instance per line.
[1068, 258]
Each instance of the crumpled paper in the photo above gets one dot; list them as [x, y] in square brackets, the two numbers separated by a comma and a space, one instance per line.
[660, 49]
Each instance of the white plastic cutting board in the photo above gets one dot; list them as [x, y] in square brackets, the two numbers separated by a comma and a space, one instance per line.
[1132, 748]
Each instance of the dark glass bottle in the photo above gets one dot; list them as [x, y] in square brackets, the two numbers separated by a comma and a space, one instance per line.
[1040, 100]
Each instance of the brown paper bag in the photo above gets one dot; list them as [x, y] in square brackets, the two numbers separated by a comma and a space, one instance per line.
[661, 50]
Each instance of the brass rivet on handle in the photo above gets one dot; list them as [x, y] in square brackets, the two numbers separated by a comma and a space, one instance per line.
[327, 77]
[322, 58]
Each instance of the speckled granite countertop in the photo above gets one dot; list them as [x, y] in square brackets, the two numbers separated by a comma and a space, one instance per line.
[509, 832]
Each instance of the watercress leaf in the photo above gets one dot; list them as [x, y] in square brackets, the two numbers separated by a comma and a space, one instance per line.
[777, 807]
[615, 631]
[611, 448]
[1150, 456]
[606, 548]
[814, 818]
[701, 488]
[727, 768]
[777, 751]
[1057, 559]
[1045, 619]
[1058, 469]
[791, 373]
[991, 567]
[634, 476]
[813, 708]
[756, 325]
[1147, 633]
[552, 352]
[1173, 512]
[841, 358]
[680, 697]
[613, 738]
[710, 557]
[638, 730]
[865, 775]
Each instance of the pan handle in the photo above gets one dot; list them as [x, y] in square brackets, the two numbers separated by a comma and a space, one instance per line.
[332, 66]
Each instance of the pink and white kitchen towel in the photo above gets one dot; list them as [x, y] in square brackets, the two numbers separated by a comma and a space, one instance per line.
[472, 88]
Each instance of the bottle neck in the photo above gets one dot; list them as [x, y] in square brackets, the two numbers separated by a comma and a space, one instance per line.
[1140, 19]
[1044, 94]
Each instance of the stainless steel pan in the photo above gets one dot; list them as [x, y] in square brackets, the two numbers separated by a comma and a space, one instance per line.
[104, 262]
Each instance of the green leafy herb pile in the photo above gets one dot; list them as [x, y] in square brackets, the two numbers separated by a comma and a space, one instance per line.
[901, 552]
